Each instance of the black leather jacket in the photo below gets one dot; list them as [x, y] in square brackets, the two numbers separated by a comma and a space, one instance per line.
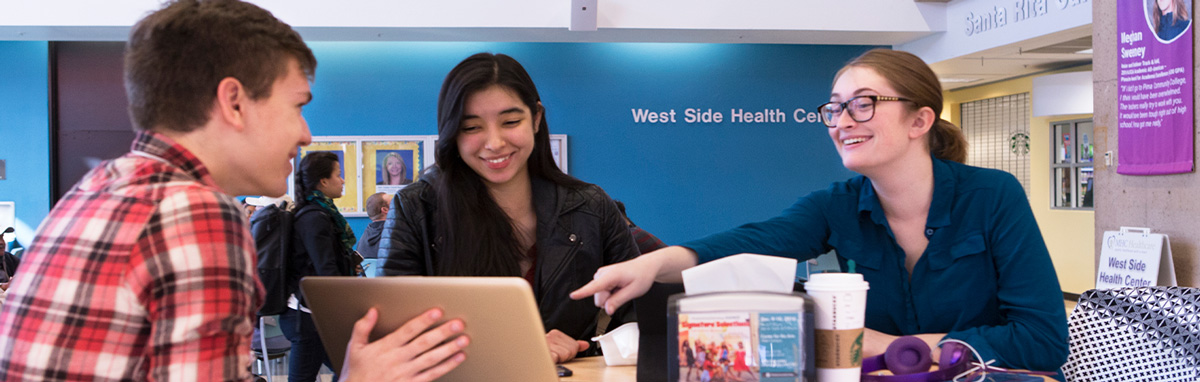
[578, 231]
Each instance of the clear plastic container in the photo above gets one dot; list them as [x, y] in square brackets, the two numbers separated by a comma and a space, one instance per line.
[741, 334]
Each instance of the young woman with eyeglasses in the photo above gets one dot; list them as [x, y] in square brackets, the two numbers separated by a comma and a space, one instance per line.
[950, 250]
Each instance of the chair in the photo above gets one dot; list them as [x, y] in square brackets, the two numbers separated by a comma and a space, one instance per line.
[276, 344]
[1135, 334]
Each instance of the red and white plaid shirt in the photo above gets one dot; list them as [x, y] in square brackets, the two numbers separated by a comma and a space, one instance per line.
[144, 271]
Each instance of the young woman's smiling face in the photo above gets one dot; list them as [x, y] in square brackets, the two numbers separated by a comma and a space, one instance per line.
[880, 140]
[495, 137]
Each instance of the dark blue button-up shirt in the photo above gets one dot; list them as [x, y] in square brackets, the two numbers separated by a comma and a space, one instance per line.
[985, 277]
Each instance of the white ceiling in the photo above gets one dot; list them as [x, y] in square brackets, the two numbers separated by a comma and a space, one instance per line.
[1039, 54]
[913, 26]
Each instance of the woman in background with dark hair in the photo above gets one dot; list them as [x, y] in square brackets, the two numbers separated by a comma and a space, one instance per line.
[951, 251]
[323, 246]
[497, 205]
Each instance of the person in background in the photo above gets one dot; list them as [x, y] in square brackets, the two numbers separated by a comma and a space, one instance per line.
[8, 262]
[497, 204]
[950, 251]
[145, 269]
[249, 208]
[1171, 18]
[646, 242]
[395, 170]
[323, 246]
[377, 211]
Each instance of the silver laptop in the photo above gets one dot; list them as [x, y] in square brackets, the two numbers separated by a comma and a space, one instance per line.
[508, 342]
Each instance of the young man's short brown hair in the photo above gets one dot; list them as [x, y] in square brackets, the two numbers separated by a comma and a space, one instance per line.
[375, 204]
[176, 57]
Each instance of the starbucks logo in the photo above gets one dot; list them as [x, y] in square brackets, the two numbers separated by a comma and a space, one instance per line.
[1018, 143]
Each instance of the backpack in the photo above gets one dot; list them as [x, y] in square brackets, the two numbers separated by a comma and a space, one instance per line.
[271, 227]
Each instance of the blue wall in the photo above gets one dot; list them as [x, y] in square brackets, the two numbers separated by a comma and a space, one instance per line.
[679, 180]
[25, 132]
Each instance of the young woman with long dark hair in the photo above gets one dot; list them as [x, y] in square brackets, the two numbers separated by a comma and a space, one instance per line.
[323, 246]
[496, 204]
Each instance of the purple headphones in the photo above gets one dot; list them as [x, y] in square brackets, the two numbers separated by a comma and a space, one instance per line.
[908, 359]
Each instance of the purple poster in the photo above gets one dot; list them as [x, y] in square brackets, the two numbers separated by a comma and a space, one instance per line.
[1154, 95]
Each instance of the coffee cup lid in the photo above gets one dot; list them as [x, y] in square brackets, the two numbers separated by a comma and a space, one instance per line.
[836, 281]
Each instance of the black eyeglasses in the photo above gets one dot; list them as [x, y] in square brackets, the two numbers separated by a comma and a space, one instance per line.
[862, 108]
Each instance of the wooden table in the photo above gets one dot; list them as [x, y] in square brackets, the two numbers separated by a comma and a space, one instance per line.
[593, 369]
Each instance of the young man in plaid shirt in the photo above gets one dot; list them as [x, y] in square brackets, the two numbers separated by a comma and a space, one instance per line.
[145, 270]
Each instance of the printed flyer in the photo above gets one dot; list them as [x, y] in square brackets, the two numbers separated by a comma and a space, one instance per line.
[1154, 94]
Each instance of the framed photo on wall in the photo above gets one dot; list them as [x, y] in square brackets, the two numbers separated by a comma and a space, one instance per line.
[393, 163]
[558, 148]
[371, 164]
[347, 152]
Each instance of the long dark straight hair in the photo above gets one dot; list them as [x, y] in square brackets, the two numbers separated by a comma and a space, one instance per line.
[315, 166]
[477, 237]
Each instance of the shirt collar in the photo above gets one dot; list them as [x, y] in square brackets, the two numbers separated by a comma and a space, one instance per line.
[939, 212]
[943, 194]
[166, 150]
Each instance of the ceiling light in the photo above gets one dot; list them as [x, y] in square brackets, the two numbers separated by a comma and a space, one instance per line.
[957, 80]
[1085, 51]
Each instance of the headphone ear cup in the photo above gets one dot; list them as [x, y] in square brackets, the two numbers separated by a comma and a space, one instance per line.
[953, 353]
[907, 355]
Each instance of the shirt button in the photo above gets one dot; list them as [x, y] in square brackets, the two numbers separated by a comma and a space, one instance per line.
[929, 232]
[571, 238]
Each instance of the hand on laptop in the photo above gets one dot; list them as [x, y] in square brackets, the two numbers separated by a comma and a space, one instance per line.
[562, 347]
[408, 354]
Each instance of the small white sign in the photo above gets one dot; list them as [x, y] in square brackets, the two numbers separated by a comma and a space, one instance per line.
[1134, 257]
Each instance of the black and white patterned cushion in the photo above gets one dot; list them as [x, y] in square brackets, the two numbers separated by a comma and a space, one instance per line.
[1135, 334]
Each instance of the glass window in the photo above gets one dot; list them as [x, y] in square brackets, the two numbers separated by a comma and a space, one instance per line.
[997, 132]
[1071, 164]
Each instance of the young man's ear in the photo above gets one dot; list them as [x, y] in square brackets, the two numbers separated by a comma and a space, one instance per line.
[230, 102]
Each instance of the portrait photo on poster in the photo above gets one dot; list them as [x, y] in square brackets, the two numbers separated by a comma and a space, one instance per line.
[393, 167]
[347, 154]
[391, 163]
[1168, 19]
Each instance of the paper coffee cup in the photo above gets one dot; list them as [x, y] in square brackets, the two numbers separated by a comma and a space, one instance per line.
[841, 305]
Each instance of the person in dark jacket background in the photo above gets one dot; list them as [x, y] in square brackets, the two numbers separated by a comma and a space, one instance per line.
[496, 204]
[323, 246]
[377, 210]
[9, 262]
